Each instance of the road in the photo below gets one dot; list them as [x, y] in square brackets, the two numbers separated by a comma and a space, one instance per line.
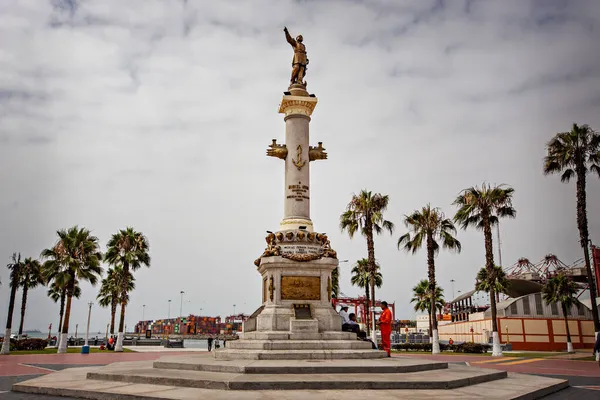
[584, 376]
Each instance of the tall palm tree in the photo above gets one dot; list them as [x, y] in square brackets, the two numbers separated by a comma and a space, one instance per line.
[56, 293]
[361, 277]
[129, 249]
[365, 213]
[15, 267]
[497, 280]
[111, 291]
[74, 258]
[482, 208]
[574, 154]
[31, 277]
[428, 227]
[561, 289]
[422, 299]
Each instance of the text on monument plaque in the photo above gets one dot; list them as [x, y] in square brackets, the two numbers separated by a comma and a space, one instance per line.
[300, 288]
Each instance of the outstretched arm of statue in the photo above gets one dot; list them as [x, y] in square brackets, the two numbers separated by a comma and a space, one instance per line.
[317, 153]
[289, 39]
[277, 150]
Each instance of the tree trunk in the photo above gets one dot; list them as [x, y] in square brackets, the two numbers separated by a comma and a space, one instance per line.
[62, 312]
[60, 320]
[582, 225]
[372, 268]
[489, 266]
[113, 313]
[119, 344]
[367, 315]
[435, 343]
[11, 309]
[431, 277]
[430, 325]
[569, 343]
[62, 347]
[23, 308]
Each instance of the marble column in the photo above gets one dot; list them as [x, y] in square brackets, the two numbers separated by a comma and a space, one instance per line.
[297, 110]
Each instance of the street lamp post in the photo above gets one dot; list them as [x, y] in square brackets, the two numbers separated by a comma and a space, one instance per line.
[169, 314]
[87, 330]
[143, 312]
[452, 281]
[234, 309]
[181, 305]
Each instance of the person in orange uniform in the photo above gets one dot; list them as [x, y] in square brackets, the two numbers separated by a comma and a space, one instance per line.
[385, 326]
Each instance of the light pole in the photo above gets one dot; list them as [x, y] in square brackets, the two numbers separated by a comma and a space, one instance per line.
[181, 305]
[169, 314]
[234, 310]
[87, 330]
[452, 281]
[143, 312]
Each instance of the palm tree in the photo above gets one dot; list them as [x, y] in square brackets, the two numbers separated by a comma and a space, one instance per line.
[361, 277]
[365, 212]
[129, 249]
[15, 267]
[335, 283]
[482, 208]
[574, 154]
[31, 277]
[74, 258]
[428, 226]
[422, 299]
[561, 289]
[497, 280]
[56, 293]
[111, 289]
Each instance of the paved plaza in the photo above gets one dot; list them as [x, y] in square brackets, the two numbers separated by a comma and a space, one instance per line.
[583, 376]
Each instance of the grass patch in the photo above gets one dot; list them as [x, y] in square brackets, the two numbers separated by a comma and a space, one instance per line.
[70, 350]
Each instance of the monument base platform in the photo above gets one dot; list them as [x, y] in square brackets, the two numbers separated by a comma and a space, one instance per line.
[202, 376]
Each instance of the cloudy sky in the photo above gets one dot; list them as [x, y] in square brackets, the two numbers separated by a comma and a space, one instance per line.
[156, 114]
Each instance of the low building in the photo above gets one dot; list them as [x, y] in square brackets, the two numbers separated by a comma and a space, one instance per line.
[528, 323]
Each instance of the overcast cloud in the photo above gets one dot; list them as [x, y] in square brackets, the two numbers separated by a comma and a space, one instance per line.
[157, 114]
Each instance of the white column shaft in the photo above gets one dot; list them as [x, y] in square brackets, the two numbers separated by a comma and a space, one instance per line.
[297, 173]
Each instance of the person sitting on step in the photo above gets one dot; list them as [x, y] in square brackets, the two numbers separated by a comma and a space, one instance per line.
[345, 320]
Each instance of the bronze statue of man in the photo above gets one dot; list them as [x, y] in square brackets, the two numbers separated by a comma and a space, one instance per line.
[300, 60]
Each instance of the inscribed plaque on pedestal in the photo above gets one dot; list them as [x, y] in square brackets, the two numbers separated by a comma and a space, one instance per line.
[300, 288]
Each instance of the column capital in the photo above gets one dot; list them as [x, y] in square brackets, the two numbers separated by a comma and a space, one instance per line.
[297, 105]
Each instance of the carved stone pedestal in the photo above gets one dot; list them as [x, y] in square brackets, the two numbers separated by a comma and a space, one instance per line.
[296, 319]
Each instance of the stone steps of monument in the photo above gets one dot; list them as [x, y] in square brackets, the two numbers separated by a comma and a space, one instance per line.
[371, 366]
[235, 354]
[73, 383]
[298, 344]
[286, 335]
[453, 377]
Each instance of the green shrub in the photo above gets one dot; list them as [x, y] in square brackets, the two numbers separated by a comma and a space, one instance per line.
[31, 344]
[412, 346]
[473, 348]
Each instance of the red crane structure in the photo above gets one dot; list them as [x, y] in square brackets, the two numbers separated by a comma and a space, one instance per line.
[359, 306]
